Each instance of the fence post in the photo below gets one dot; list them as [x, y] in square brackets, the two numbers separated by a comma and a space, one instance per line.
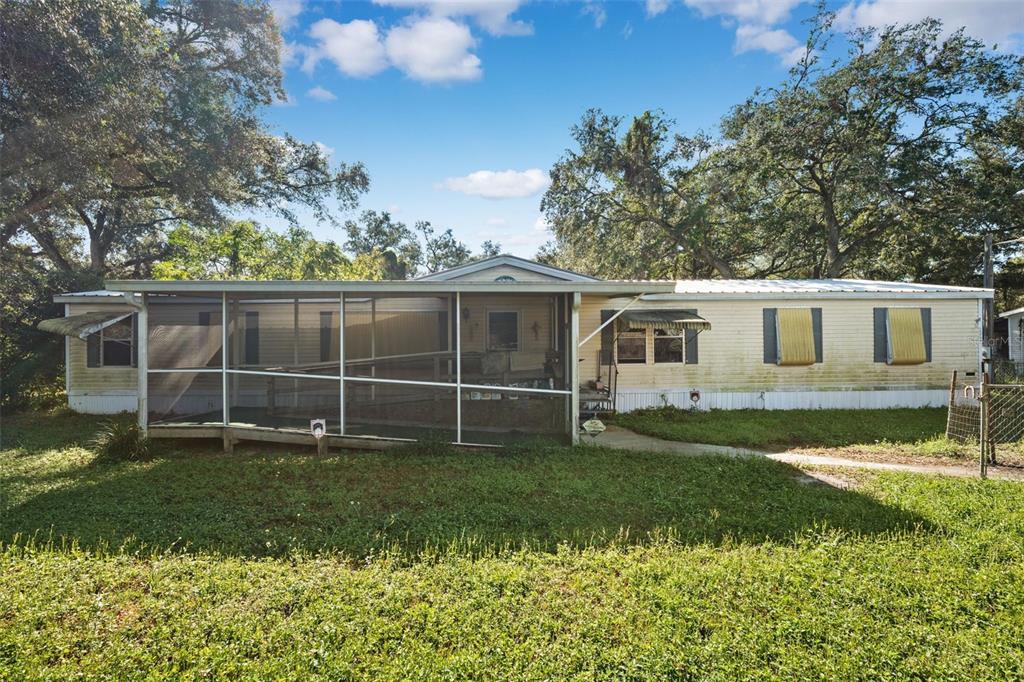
[983, 425]
[951, 403]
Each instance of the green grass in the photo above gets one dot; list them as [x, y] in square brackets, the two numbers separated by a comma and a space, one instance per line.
[560, 563]
[907, 431]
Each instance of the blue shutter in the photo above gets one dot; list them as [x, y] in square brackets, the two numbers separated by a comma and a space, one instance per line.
[881, 342]
[819, 355]
[770, 335]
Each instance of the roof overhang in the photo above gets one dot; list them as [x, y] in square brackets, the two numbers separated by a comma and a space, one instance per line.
[81, 326]
[389, 287]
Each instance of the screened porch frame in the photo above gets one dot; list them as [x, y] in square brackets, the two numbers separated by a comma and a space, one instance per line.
[570, 301]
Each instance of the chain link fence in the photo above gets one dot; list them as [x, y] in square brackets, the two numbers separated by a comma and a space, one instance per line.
[963, 419]
[987, 414]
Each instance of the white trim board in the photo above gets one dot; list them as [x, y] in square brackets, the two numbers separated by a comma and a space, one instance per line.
[629, 400]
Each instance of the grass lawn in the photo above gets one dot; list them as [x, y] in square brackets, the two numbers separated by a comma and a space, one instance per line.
[878, 434]
[557, 563]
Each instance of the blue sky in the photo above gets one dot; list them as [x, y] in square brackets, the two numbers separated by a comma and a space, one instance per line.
[458, 108]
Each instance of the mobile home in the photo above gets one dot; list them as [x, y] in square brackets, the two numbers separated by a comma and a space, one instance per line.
[502, 349]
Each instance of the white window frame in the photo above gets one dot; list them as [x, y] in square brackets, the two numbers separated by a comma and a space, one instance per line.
[670, 334]
[519, 330]
[642, 334]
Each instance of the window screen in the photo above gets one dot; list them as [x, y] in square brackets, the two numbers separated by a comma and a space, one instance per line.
[117, 344]
[631, 347]
[252, 338]
[502, 330]
[669, 345]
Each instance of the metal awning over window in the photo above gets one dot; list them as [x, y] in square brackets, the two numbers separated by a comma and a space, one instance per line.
[81, 326]
[663, 319]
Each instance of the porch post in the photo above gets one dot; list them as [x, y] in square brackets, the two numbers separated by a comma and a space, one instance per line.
[341, 363]
[458, 367]
[572, 371]
[142, 363]
[225, 402]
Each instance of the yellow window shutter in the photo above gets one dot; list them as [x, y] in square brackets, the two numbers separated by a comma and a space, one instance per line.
[906, 336]
[796, 336]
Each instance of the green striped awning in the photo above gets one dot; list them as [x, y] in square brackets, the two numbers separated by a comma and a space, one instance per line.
[82, 325]
[663, 319]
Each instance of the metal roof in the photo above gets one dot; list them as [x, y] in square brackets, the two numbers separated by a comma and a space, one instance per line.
[817, 288]
[392, 287]
[653, 290]
[1009, 313]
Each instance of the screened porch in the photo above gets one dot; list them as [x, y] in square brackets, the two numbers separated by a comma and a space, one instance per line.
[468, 368]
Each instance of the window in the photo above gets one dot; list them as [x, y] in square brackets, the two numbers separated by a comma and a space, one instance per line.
[669, 345]
[326, 333]
[631, 347]
[792, 336]
[502, 330]
[252, 337]
[116, 343]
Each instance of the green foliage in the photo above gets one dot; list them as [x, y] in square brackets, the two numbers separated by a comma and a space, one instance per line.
[121, 438]
[890, 163]
[889, 432]
[400, 252]
[561, 564]
[242, 249]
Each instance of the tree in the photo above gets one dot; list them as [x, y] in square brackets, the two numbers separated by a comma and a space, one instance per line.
[489, 249]
[127, 117]
[846, 168]
[441, 251]
[401, 251]
[378, 236]
[242, 249]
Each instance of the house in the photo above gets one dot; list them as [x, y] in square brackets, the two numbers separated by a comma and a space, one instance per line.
[1014, 334]
[502, 349]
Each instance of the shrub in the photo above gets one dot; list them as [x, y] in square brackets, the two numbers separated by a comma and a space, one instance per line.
[121, 438]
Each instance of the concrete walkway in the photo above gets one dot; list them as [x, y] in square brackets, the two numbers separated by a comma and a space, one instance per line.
[618, 437]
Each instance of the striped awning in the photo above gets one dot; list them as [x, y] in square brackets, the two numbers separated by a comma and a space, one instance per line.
[663, 319]
[82, 325]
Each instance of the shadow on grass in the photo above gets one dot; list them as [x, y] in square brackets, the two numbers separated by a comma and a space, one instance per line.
[271, 502]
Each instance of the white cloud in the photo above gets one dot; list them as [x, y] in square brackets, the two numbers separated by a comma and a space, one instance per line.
[627, 30]
[433, 49]
[497, 222]
[655, 7]
[321, 94]
[494, 16]
[758, 12]
[541, 224]
[597, 11]
[993, 21]
[325, 150]
[776, 41]
[507, 184]
[755, 22]
[286, 12]
[354, 47]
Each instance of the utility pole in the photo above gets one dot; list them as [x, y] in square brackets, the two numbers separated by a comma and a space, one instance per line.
[989, 302]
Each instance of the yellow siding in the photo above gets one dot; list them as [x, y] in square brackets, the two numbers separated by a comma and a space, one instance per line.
[731, 354]
[84, 380]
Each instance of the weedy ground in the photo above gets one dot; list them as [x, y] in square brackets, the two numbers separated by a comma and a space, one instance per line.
[525, 563]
